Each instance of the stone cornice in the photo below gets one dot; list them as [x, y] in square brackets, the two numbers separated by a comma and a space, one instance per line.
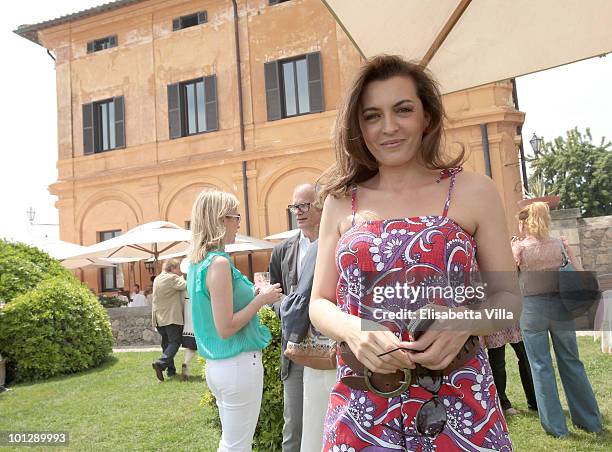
[183, 164]
[484, 116]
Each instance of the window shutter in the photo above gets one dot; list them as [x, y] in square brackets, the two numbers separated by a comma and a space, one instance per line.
[202, 17]
[119, 122]
[210, 91]
[176, 24]
[174, 111]
[88, 129]
[315, 82]
[90, 47]
[273, 98]
[112, 41]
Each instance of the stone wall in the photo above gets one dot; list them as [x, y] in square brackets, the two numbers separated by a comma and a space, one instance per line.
[132, 326]
[596, 242]
[590, 238]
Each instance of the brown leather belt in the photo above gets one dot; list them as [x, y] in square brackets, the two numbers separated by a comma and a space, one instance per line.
[391, 385]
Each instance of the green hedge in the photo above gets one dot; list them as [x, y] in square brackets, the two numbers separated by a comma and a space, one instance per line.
[269, 432]
[111, 302]
[22, 267]
[57, 328]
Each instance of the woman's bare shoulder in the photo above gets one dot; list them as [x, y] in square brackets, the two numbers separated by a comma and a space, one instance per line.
[337, 211]
[219, 263]
[333, 203]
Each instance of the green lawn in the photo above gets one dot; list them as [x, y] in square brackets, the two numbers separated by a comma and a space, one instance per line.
[525, 429]
[118, 406]
[122, 406]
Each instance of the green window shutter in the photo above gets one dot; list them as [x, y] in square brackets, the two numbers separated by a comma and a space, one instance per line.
[315, 82]
[119, 122]
[273, 98]
[174, 111]
[212, 109]
[88, 129]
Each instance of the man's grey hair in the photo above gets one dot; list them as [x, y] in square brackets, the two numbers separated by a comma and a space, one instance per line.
[171, 264]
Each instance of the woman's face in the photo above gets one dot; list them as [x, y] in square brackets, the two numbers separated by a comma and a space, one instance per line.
[392, 120]
[232, 224]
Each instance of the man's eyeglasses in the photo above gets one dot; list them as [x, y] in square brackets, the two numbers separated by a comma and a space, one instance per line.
[302, 207]
[234, 215]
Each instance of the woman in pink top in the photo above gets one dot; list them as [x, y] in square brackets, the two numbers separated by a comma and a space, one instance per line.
[539, 257]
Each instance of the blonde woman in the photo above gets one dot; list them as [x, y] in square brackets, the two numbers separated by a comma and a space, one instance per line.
[226, 325]
[539, 257]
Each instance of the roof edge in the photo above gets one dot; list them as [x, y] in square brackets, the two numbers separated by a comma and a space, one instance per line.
[30, 31]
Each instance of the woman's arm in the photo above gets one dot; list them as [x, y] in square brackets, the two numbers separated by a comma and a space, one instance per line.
[570, 254]
[516, 251]
[219, 284]
[329, 319]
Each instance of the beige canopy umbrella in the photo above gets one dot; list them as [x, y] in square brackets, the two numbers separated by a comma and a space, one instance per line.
[468, 43]
[63, 251]
[283, 235]
[244, 244]
[156, 240]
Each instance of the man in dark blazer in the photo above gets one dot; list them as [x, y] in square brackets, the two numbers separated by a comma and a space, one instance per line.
[286, 268]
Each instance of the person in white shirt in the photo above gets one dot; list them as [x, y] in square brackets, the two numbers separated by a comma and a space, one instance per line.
[138, 298]
[300, 383]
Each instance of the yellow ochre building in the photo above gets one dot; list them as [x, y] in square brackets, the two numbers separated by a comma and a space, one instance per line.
[159, 99]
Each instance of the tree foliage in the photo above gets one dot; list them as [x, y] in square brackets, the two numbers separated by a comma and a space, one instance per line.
[578, 171]
[22, 267]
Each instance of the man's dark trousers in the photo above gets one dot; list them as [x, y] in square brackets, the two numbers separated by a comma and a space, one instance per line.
[172, 336]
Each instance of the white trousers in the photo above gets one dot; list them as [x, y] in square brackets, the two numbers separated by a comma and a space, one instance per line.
[318, 385]
[237, 384]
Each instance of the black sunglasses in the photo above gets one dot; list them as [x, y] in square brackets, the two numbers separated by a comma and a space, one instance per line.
[431, 417]
[303, 207]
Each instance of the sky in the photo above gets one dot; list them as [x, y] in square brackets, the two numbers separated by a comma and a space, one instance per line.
[555, 101]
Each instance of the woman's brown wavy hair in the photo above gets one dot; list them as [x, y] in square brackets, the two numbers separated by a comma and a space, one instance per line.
[354, 162]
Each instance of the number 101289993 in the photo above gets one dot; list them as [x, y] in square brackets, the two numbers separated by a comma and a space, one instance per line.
[31, 438]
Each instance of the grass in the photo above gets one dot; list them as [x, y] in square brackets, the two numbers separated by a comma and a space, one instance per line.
[122, 406]
[118, 406]
[525, 429]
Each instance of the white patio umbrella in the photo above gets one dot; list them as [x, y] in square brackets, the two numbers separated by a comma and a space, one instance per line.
[283, 235]
[468, 43]
[246, 245]
[156, 240]
[62, 251]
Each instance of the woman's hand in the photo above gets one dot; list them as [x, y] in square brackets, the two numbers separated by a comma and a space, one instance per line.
[268, 295]
[367, 345]
[436, 348]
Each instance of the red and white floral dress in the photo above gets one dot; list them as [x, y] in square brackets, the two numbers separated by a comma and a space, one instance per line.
[425, 249]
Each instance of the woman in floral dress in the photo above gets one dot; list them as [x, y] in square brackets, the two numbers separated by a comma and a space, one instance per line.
[394, 206]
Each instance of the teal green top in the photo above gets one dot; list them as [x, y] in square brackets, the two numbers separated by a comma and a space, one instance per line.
[253, 336]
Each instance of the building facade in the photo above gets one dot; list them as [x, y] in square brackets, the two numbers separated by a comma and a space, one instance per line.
[158, 100]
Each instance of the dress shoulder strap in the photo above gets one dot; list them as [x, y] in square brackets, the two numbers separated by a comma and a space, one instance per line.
[449, 173]
[353, 203]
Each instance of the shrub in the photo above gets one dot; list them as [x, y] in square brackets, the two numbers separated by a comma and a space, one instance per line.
[269, 432]
[111, 302]
[22, 267]
[57, 328]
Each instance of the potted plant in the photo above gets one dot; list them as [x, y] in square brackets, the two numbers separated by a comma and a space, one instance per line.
[538, 193]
